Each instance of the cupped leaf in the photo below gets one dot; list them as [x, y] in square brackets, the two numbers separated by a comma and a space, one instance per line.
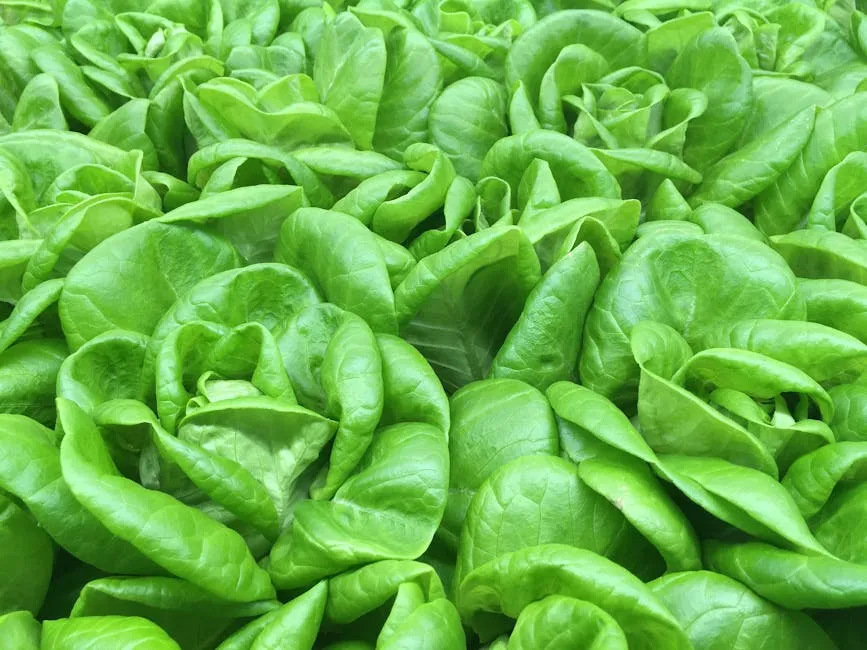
[524, 504]
[542, 347]
[713, 608]
[350, 72]
[473, 105]
[385, 513]
[631, 487]
[559, 622]
[411, 390]
[352, 378]
[89, 633]
[788, 578]
[494, 421]
[812, 478]
[577, 171]
[356, 279]
[152, 263]
[395, 219]
[599, 417]
[833, 355]
[356, 593]
[175, 536]
[456, 306]
[532, 54]
[105, 368]
[267, 293]
[712, 64]
[689, 282]
[507, 585]
[254, 433]
[249, 217]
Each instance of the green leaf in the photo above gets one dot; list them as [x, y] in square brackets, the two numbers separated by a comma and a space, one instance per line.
[411, 85]
[190, 615]
[712, 609]
[788, 578]
[746, 172]
[507, 585]
[357, 280]
[100, 631]
[349, 72]
[494, 421]
[539, 500]
[823, 254]
[457, 306]
[179, 538]
[577, 171]
[730, 492]
[389, 508]
[466, 120]
[153, 262]
[689, 282]
[26, 559]
[711, 63]
[543, 345]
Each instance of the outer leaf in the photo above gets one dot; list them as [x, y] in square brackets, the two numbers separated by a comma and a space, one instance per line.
[543, 345]
[730, 492]
[493, 422]
[790, 579]
[510, 583]
[719, 613]
[633, 490]
[356, 279]
[104, 631]
[411, 84]
[459, 335]
[466, 120]
[154, 263]
[538, 500]
[350, 72]
[748, 171]
[182, 539]
[823, 254]
[31, 471]
[380, 512]
[190, 615]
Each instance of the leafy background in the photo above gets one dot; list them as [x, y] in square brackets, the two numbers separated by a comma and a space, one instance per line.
[435, 324]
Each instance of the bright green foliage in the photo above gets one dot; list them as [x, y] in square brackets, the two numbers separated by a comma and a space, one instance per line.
[433, 325]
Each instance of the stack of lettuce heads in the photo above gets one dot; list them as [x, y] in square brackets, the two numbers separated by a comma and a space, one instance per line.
[433, 325]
